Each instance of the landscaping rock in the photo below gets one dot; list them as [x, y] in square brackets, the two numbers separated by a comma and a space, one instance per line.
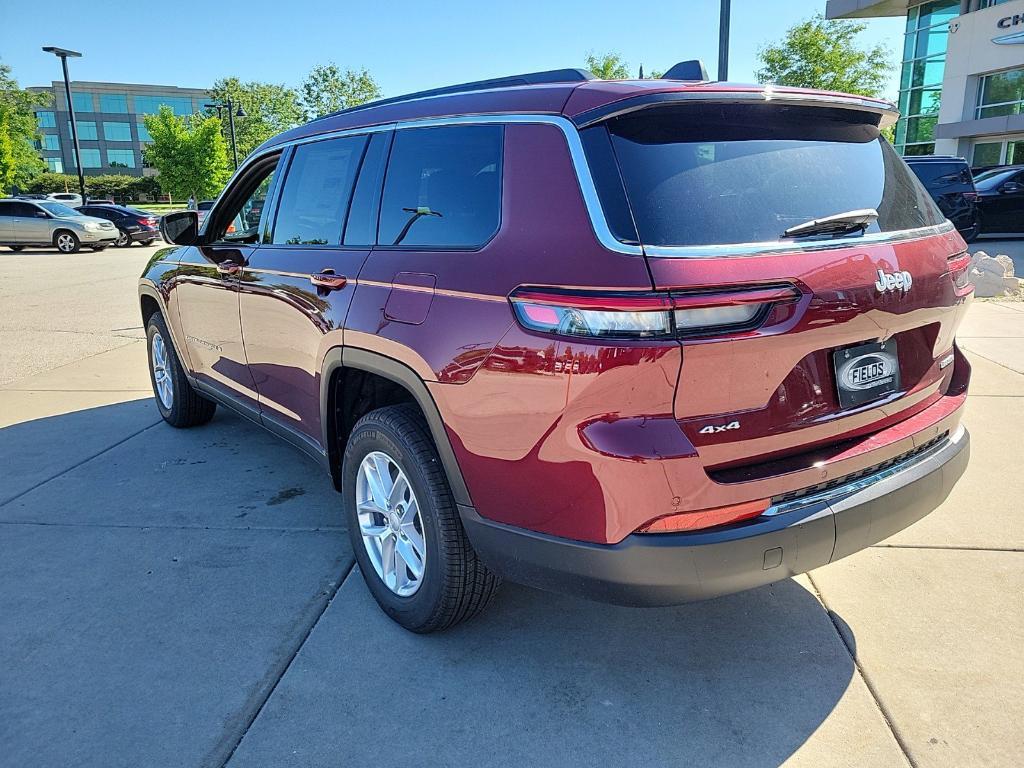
[992, 275]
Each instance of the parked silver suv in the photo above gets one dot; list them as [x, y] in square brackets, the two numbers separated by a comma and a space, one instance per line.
[50, 224]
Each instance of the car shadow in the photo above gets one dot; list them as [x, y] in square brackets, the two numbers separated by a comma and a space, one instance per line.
[538, 679]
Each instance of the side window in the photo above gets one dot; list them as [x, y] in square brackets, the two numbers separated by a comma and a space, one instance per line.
[443, 187]
[6, 210]
[238, 220]
[23, 210]
[316, 192]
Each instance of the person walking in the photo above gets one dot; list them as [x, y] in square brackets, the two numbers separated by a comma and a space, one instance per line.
[191, 202]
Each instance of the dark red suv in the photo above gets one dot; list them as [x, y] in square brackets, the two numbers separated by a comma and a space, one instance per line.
[646, 342]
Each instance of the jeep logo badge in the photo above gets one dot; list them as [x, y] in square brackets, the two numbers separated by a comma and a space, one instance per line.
[893, 281]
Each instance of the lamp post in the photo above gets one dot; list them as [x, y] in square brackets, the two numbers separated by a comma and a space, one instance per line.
[723, 40]
[232, 114]
[63, 54]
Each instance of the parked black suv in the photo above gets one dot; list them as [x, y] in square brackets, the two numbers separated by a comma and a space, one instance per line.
[949, 182]
[1001, 200]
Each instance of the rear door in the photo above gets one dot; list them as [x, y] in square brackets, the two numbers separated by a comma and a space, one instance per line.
[296, 287]
[1004, 208]
[31, 223]
[7, 221]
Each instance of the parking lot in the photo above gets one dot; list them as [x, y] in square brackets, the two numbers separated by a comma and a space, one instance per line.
[187, 597]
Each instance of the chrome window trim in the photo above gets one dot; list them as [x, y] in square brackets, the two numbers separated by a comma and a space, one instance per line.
[826, 497]
[588, 188]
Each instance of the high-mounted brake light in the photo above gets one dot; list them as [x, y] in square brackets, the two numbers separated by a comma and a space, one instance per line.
[621, 315]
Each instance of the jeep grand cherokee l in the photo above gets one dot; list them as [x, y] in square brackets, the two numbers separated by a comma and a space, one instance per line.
[642, 341]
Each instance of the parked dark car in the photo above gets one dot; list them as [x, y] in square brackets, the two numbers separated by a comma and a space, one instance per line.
[643, 341]
[949, 182]
[1001, 200]
[133, 225]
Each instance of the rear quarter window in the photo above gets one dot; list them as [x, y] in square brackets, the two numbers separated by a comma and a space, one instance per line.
[443, 187]
[713, 174]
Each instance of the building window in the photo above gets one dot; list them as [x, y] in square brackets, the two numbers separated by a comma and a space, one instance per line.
[54, 164]
[114, 102]
[82, 101]
[46, 119]
[150, 105]
[1001, 94]
[143, 132]
[51, 141]
[989, 153]
[90, 158]
[990, 3]
[120, 158]
[86, 130]
[924, 63]
[117, 131]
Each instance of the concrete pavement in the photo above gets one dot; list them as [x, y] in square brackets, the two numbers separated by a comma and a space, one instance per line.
[187, 597]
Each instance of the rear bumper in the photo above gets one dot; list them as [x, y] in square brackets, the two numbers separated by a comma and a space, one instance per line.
[666, 569]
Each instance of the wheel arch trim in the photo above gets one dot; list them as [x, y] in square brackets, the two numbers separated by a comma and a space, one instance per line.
[339, 358]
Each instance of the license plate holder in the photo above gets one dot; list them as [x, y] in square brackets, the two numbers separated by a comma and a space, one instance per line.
[866, 372]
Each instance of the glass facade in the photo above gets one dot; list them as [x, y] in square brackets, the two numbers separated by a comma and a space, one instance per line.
[90, 158]
[924, 62]
[54, 164]
[86, 130]
[150, 105]
[46, 119]
[1001, 94]
[117, 131]
[114, 102]
[81, 100]
[50, 141]
[120, 158]
[1008, 151]
[143, 132]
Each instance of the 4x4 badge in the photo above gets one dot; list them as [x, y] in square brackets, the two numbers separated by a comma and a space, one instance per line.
[712, 428]
[893, 281]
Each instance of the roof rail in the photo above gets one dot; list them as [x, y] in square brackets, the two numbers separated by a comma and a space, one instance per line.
[530, 78]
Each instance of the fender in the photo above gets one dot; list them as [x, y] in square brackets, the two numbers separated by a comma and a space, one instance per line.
[371, 362]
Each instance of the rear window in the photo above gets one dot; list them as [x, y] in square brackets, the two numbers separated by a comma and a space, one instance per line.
[712, 174]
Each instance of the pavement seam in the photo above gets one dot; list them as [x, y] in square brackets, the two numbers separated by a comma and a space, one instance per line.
[947, 547]
[265, 697]
[882, 709]
[40, 484]
[996, 362]
[136, 527]
[132, 340]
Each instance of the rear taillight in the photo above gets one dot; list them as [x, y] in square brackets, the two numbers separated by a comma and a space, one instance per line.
[705, 518]
[147, 222]
[620, 315]
[960, 271]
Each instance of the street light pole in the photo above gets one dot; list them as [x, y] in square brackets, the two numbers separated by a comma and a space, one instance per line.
[723, 40]
[231, 122]
[63, 54]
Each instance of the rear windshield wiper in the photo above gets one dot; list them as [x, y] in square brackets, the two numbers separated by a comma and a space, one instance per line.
[837, 225]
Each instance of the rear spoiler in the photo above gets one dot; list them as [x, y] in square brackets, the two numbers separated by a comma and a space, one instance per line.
[886, 112]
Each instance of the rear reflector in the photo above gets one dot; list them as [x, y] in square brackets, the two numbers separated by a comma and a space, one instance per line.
[960, 270]
[647, 315]
[705, 518]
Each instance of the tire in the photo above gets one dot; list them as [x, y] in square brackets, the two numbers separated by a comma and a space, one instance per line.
[66, 242]
[17, 248]
[184, 407]
[454, 584]
[123, 239]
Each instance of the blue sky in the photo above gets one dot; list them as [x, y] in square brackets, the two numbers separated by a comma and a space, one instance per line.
[407, 46]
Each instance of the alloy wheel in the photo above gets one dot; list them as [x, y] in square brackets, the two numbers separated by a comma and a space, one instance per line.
[122, 240]
[390, 523]
[162, 372]
[65, 243]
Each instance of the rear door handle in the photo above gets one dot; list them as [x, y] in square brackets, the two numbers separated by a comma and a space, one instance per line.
[229, 268]
[328, 280]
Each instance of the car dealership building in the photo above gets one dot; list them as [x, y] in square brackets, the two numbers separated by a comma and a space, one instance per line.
[962, 76]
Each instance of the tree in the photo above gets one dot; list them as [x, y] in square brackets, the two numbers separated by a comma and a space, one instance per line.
[269, 109]
[823, 53]
[327, 89]
[190, 154]
[608, 66]
[17, 112]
